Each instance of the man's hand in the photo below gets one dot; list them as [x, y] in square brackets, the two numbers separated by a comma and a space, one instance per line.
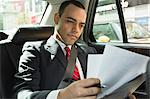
[82, 89]
[131, 96]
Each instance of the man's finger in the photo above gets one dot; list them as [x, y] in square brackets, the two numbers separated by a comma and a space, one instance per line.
[87, 97]
[89, 82]
[131, 96]
[91, 91]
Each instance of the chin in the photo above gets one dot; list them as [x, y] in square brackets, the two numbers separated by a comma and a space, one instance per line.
[70, 43]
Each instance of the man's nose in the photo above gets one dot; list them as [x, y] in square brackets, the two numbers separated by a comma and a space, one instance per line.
[76, 28]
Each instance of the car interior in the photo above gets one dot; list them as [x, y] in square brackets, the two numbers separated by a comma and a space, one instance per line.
[10, 54]
[11, 49]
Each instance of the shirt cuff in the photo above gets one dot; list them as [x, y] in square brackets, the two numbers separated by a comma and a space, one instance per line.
[53, 94]
[24, 94]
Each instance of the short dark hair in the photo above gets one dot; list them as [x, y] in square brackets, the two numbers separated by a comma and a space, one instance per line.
[66, 3]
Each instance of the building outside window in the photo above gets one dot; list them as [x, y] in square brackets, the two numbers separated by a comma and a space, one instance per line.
[20, 12]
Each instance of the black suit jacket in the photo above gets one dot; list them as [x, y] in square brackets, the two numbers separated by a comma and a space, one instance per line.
[43, 64]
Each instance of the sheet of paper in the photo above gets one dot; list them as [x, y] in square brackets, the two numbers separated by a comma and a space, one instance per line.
[93, 67]
[115, 67]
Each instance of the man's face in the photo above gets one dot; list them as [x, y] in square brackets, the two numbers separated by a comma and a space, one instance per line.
[71, 23]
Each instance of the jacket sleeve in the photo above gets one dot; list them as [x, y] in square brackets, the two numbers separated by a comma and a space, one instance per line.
[87, 49]
[28, 76]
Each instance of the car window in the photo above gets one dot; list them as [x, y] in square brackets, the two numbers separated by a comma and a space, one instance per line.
[107, 28]
[102, 31]
[104, 28]
[137, 19]
[15, 13]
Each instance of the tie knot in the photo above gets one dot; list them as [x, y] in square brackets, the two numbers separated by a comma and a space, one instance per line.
[67, 49]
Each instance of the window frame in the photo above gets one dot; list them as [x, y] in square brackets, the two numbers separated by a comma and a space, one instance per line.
[88, 33]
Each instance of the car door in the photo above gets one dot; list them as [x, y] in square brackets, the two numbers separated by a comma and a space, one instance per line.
[107, 24]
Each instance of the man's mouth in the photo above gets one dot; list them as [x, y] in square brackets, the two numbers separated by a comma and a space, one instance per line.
[72, 36]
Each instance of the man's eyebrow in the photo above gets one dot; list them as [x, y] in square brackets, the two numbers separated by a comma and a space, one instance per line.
[75, 20]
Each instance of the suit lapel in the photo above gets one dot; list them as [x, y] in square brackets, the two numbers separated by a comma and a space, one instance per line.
[82, 58]
[61, 58]
[51, 46]
[56, 52]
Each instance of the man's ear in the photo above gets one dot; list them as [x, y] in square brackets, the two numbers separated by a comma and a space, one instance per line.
[56, 18]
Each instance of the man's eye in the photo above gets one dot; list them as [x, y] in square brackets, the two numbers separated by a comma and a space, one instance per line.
[70, 21]
[82, 25]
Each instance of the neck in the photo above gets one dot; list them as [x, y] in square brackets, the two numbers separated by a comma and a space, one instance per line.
[58, 37]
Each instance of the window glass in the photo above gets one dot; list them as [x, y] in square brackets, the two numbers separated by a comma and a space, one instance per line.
[14, 13]
[106, 26]
[137, 18]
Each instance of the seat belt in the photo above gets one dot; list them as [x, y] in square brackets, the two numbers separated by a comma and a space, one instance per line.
[67, 79]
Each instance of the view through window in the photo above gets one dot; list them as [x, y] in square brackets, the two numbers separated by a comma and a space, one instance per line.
[103, 28]
[137, 18]
[14, 13]
[107, 28]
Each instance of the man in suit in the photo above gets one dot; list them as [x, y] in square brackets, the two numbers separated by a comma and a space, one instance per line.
[43, 65]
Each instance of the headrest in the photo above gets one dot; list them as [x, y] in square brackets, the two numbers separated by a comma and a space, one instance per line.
[25, 34]
[3, 35]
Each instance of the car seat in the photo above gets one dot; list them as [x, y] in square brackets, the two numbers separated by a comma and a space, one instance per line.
[10, 53]
[3, 36]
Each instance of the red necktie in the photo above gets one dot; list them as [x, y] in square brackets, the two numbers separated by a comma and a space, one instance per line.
[76, 75]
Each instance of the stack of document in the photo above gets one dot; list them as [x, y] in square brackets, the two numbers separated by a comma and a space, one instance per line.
[120, 71]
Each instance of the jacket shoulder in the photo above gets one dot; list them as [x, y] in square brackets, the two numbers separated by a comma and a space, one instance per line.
[87, 49]
[32, 45]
